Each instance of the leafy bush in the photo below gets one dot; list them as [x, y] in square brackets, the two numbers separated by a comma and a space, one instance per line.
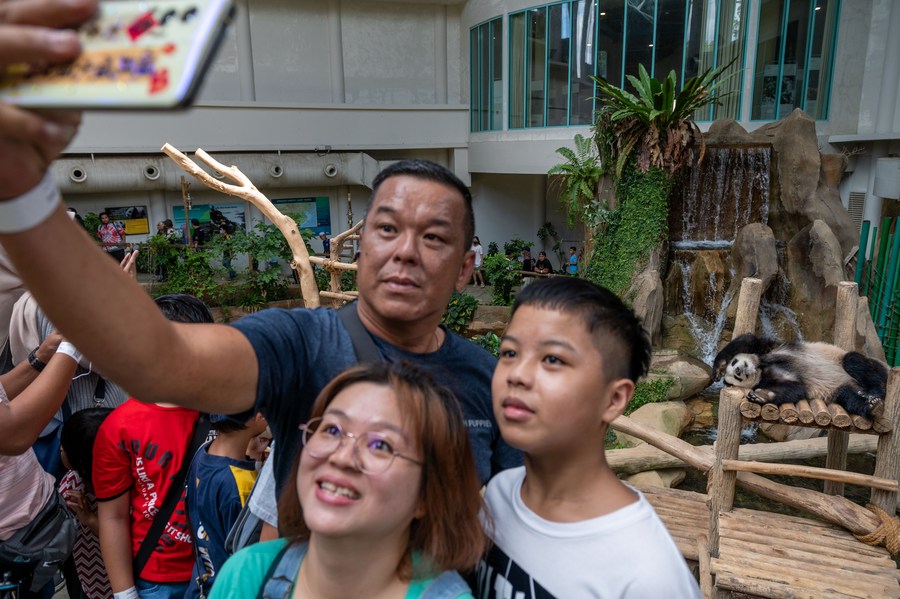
[493, 248]
[460, 311]
[503, 274]
[489, 341]
[649, 391]
[516, 245]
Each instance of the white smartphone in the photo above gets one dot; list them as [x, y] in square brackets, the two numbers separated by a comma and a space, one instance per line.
[135, 55]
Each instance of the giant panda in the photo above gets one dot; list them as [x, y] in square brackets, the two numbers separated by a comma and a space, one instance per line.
[788, 372]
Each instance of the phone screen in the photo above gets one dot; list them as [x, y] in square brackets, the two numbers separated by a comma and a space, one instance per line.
[135, 54]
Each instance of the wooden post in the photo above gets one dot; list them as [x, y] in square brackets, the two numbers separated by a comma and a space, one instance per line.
[845, 312]
[887, 455]
[247, 191]
[748, 307]
[721, 491]
[186, 200]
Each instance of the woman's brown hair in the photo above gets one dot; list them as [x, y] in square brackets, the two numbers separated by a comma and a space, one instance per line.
[449, 534]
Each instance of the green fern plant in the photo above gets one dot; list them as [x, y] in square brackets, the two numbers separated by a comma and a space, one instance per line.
[577, 179]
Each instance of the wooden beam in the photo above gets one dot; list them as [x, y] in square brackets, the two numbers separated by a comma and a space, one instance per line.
[852, 478]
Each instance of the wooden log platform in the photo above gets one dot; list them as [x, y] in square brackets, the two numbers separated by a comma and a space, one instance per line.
[813, 414]
[774, 555]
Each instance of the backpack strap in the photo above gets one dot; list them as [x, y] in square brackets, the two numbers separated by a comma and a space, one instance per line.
[281, 575]
[363, 345]
[201, 429]
[448, 585]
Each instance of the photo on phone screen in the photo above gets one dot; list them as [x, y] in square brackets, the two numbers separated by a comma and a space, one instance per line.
[135, 54]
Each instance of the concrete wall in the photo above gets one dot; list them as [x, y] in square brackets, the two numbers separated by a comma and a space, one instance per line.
[390, 79]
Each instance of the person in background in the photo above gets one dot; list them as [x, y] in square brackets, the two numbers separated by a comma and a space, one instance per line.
[29, 396]
[564, 525]
[478, 274]
[218, 484]
[77, 488]
[112, 233]
[326, 244]
[139, 449]
[543, 266]
[370, 509]
[527, 260]
[573, 262]
[258, 448]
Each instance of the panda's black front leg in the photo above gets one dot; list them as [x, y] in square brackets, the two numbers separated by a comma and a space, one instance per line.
[777, 391]
[761, 396]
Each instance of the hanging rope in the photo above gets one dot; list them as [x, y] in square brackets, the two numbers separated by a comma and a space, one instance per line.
[887, 534]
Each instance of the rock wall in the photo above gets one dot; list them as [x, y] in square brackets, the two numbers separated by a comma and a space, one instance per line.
[809, 233]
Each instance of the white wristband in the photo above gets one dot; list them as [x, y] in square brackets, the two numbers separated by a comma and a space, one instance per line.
[31, 208]
[127, 594]
[67, 348]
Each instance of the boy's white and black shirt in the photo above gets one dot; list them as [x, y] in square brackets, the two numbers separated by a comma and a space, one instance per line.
[626, 554]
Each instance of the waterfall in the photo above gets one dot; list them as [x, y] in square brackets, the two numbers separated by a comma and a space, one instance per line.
[717, 198]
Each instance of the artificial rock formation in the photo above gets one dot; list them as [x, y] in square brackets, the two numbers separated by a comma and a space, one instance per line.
[806, 218]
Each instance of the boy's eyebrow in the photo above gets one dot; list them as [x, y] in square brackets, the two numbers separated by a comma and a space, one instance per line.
[544, 343]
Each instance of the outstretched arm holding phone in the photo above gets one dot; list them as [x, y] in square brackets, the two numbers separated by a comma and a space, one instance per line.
[204, 366]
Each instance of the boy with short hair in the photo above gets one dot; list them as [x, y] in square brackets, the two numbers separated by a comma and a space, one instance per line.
[218, 484]
[139, 449]
[564, 524]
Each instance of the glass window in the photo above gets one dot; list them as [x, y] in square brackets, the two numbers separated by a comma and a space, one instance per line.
[497, 74]
[486, 103]
[537, 65]
[795, 49]
[639, 37]
[517, 71]
[583, 41]
[559, 42]
[730, 44]
[611, 19]
[818, 80]
[669, 46]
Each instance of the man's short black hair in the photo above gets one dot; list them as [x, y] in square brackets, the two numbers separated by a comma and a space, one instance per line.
[181, 307]
[624, 345]
[430, 171]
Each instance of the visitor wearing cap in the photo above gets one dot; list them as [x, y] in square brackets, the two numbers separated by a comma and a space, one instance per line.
[326, 243]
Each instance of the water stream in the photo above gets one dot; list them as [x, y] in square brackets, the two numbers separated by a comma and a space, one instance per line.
[729, 190]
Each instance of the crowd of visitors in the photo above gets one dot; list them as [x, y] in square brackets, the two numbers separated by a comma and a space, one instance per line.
[386, 425]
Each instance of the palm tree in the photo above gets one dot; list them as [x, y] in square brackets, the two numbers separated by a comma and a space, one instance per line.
[577, 180]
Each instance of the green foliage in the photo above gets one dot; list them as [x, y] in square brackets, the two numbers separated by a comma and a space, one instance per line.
[516, 245]
[92, 223]
[547, 232]
[460, 311]
[638, 225]
[489, 341]
[649, 391]
[577, 181]
[493, 248]
[657, 121]
[503, 274]
[189, 270]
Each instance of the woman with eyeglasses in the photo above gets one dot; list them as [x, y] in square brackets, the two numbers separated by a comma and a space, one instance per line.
[383, 499]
